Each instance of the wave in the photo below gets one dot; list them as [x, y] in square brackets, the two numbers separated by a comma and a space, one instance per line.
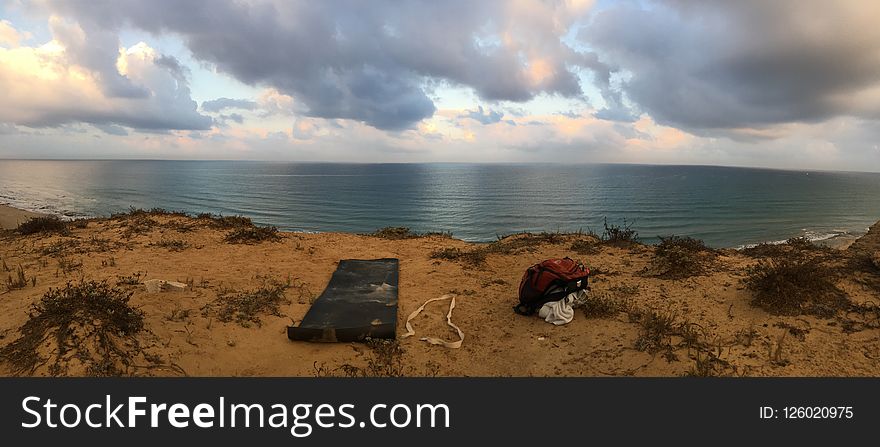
[812, 236]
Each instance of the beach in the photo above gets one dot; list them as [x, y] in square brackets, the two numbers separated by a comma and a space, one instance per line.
[711, 325]
[10, 217]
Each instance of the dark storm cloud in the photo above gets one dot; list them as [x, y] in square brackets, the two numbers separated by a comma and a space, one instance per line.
[727, 65]
[220, 104]
[365, 61]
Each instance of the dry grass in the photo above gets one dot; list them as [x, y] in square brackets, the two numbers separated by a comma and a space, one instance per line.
[246, 307]
[385, 360]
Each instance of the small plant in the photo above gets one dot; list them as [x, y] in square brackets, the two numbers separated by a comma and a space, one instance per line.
[657, 328]
[793, 287]
[775, 352]
[253, 235]
[43, 225]
[706, 364]
[599, 306]
[619, 235]
[386, 360]
[68, 266]
[178, 314]
[245, 308]
[19, 281]
[173, 244]
[130, 280]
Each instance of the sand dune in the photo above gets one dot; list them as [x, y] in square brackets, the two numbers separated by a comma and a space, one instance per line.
[716, 329]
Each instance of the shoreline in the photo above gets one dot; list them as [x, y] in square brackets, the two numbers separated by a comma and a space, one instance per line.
[11, 216]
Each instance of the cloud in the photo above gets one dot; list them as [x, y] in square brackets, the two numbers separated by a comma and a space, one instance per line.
[64, 81]
[367, 61]
[220, 104]
[111, 129]
[743, 65]
[484, 117]
[9, 36]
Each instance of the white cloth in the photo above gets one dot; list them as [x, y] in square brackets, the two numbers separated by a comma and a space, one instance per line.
[561, 312]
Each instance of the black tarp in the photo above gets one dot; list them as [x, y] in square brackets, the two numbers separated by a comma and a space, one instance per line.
[360, 301]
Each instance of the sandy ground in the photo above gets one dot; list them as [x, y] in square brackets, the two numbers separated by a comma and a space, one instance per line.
[747, 341]
[11, 217]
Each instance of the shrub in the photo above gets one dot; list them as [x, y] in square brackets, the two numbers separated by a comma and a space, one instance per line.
[681, 257]
[90, 322]
[793, 287]
[794, 247]
[226, 222]
[173, 244]
[253, 235]
[395, 233]
[619, 235]
[600, 306]
[40, 225]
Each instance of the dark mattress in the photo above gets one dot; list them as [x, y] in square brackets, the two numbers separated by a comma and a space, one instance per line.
[359, 302]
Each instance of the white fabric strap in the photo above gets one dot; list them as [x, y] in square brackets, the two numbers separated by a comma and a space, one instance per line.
[436, 341]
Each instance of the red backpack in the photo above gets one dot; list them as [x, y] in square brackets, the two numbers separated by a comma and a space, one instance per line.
[550, 280]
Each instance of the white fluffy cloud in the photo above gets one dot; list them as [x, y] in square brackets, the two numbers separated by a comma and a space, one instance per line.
[56, 83]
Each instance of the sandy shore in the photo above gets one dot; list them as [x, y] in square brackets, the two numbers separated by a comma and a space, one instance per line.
[11, 217]
[183, 333]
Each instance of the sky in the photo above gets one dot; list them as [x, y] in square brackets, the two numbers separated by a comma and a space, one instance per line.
[792, 84]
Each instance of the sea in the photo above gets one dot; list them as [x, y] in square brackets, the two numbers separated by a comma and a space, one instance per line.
[723, 206]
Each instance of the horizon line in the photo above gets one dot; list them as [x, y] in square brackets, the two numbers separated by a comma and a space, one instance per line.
[452, 162]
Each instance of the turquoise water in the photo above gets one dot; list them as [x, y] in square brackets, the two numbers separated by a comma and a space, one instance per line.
[726, 207]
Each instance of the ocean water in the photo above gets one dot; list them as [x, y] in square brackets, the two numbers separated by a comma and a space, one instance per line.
[726, 207]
